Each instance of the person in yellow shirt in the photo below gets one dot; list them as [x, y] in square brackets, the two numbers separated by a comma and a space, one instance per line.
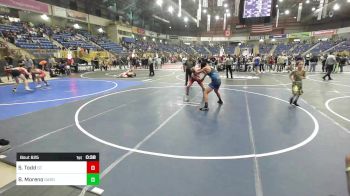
[297, 86]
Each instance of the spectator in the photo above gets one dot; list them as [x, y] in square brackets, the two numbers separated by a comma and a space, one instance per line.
[313, 63]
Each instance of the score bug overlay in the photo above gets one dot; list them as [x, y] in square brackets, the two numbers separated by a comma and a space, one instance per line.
[58, 169]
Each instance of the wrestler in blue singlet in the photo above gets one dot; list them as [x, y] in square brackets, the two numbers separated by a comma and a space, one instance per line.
[215, 79]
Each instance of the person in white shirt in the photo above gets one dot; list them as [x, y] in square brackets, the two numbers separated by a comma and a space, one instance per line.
[330, 62]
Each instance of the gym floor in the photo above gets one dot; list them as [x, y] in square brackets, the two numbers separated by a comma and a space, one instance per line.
[151, 142]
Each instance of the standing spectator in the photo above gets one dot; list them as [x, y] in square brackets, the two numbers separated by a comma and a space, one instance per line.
[271, 63]
[228, 64]
[342, 62]
[330, 62]
[256, 63]
[307, 61]
[313, 63]
[151, 67]
[323, 60]
[280, 62]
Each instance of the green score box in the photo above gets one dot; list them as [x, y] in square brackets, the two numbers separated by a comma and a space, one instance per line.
[93, 179]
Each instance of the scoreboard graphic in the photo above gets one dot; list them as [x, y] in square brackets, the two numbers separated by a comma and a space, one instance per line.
[58, 169]
[257, 8]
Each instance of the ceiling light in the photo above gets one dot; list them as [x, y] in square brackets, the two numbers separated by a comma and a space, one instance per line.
[261, 40]
[160, 2]
[286, 12]
[205, 11]
[44, 17]
[239, 44]
[228, 14]
[169, 27]
[76, 26]
[336, 6]
[171, 9]
[348, 1]
[280, 0]
[313, 9]
[153, 39]
[227, 10]
[273, 39]
[144, 38]
[276, 5]
[225, 5]
[100, 30]
[217, 17]
[185, 26]
[179, 15]
[295, 17]
[185, 19]
[307, 1]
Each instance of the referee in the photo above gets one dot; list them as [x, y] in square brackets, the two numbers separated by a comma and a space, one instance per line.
[228, 64]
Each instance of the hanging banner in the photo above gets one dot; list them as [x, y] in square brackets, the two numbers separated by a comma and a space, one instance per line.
[161, 36]
[180, 8]
[141, 31]
[220, 2]
[208, 23]
[224, 27]
[77, 15]
[30, 5]
[134, 30]
[59, 11]
[173, 37]
[280, 36]
[206, 39]
[324, 32]
[150, 33]
[218, 39]
[299, 35]
[300, 8]
[278, 16]
[240, 26]
[237, 2]
[205, 3]
[256, 37]
[199, 10]
[320, 7]
[325, 9]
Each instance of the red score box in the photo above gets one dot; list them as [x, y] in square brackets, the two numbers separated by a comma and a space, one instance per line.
[93, 167]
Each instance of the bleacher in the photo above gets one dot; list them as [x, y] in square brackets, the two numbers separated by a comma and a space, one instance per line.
[14, 28]
[301, 48]
[283, 48]
[215, 50]
[70, 40]
[229, 50]
[187, 49]
[265, 49]
[27, 40]
[104, 43]
[323, 46]
[34, 42]
[201, 50]
[345, 46]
